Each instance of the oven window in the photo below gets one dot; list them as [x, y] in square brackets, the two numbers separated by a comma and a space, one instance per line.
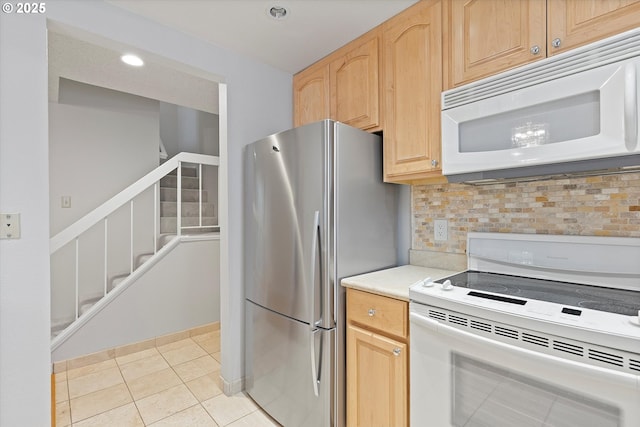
[485, 395]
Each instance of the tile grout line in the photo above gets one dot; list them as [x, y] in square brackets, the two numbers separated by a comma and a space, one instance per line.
[172, 367]
[185, 384]
[135, 401]
[111, 352]
[120, 366]
[130, 393]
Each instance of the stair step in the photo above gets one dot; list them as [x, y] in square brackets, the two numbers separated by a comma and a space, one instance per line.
[57, 328]
[116, 280]
[190, 182]
[189, 209]
[168, 224]
[87, 304]
[165, 238]
[142, 258]
[168, 194]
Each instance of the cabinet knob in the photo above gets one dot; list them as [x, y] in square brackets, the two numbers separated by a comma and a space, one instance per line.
[371, 312]
[556, 42]
[396, 351]
[535, 50]
[434, 163]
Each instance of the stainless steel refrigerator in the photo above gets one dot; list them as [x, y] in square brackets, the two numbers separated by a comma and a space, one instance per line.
[316, 211]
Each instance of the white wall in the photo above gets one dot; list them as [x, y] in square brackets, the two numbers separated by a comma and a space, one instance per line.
[186, 129]
[24, 188]
[180, 292]
[258, 104]
[72, 92]
[93, 155]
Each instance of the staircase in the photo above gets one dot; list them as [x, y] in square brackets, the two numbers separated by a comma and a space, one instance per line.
[86, 302]
[190, 206]
[198, 217]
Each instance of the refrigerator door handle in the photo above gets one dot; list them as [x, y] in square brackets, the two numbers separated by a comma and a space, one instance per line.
[312, 302]
[314, 369]
[312, 273]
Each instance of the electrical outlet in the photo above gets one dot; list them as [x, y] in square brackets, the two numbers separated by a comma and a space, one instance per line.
[440, 227]
[9, 226]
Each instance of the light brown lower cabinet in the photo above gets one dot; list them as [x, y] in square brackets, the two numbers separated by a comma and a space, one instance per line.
[377, 362]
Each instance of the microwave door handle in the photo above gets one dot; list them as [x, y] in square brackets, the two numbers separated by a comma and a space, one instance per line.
[631, 107]
[615, 377]
[312, 302]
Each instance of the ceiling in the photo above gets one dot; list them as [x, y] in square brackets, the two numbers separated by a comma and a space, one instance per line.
[97, 65]
[310, 30]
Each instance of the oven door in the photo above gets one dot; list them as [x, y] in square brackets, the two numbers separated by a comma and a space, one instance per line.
[460, 379]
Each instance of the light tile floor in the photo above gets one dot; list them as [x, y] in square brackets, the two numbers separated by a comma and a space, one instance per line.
[176, 384]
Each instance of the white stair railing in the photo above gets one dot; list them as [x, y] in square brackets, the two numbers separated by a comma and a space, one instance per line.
[74, 232]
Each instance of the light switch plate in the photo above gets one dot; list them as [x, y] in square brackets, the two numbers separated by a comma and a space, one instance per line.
[10, 226]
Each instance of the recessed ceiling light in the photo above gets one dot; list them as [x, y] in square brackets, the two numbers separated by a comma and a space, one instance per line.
[132, 60]
[278, 12]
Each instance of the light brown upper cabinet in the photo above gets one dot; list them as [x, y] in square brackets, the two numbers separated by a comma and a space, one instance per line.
[574, 23]
[311, 94]
[484, 37]
[344, 86]
[355, 83]
[412, 58]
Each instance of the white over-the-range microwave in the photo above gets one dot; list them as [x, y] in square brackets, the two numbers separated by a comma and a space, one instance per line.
[576, 112]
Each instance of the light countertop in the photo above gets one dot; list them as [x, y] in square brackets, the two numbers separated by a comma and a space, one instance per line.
[394, 282]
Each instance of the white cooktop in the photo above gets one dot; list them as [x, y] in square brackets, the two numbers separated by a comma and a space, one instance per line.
[567, 284]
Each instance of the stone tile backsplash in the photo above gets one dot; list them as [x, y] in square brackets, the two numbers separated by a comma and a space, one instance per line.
[604, 205]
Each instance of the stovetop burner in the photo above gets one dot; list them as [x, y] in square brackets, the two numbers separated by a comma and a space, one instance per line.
[610, 300]
[489, 287]
[610, 306]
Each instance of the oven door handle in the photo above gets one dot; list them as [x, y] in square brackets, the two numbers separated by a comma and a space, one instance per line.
[629, 380]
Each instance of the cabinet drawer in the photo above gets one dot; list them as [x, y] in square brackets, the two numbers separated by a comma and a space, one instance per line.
[377, 312]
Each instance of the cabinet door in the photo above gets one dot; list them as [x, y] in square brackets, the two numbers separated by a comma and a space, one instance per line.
[577, 22]
[485, 37]
[412, 57]
[377, 386]
[311, 95]
[354, 83]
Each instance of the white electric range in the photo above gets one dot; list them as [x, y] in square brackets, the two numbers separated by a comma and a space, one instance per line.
[540, 330]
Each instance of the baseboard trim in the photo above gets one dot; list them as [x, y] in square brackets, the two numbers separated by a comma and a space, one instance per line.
[114, 352]
[231, 388]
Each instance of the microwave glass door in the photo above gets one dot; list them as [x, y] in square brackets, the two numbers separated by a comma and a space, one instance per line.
[573, 118]
[579, 117]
